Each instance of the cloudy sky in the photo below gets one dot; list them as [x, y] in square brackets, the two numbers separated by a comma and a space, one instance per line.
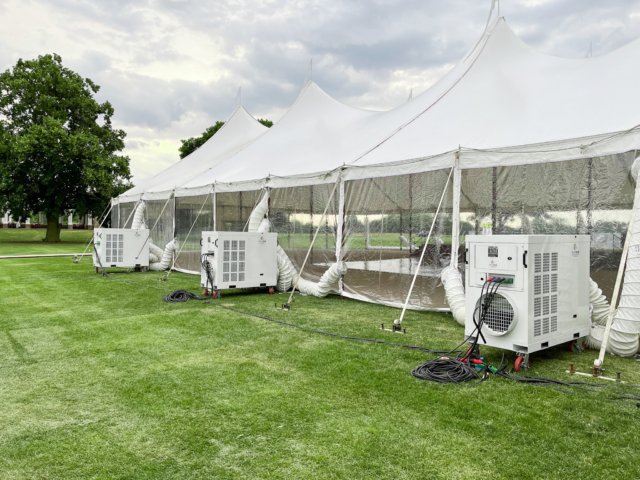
[172, 68]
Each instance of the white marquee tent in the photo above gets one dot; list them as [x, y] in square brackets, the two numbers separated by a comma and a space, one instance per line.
[537, 143]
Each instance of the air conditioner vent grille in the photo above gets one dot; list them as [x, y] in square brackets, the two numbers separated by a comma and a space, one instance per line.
[537, 263]
[500, 315]
[537, 285]
[233, 265]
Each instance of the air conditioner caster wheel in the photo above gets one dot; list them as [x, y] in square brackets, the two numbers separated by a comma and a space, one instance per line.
[270, 290]
[522, 364]
[216, 294]
[206, 292]
[578, 346]
[97, 270]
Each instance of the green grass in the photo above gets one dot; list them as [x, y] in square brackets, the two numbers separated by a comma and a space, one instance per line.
[22, 241]
[101, 379]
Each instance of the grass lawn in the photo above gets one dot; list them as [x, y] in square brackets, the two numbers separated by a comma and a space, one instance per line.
[22, 241]
[101, 379]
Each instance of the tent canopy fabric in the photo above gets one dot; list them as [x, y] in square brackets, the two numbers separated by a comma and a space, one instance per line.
[236, 133]
[503, 104]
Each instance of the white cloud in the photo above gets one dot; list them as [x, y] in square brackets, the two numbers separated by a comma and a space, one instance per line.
[172, 68]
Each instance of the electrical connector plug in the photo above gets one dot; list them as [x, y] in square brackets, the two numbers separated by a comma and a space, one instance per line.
[508, 281]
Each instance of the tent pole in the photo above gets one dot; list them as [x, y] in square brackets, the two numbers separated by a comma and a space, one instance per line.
[614, 298]
[367, 240]
[410, 210]
[589, 192]
[311, 220]
[240, 222]
[400, 228]
[268, 190]
[340, 231]
[326, 232]
[215, 210]
[494, 201]
[455, 226]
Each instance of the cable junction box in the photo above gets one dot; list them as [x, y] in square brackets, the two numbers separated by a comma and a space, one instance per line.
[239, 260]
[544, 300]
[121, 247]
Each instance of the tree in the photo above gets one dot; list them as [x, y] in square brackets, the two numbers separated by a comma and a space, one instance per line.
[59, 149]
[190, 145]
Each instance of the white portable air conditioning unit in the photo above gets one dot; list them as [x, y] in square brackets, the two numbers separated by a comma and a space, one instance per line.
[545, 298]
[120, 247]
[238, 260]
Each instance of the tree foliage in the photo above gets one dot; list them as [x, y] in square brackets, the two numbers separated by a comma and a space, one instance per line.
[190, 145]
[58, 148]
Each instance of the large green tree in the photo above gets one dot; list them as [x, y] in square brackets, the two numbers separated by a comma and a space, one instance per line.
[58, 149]
[190, 145]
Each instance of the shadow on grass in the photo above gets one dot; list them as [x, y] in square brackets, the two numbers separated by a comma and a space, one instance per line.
[20, 351]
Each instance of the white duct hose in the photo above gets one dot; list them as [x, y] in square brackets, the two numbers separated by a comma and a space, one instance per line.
[159, 260]
[454, 291]
[138, 216]
[625, 329]
[287, 272]
[156, 251]
[328, 279]
[265, 226]
[259, 214]
[167, 256]
[599, 311]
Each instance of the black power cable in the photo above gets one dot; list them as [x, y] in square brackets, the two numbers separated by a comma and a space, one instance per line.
[440, 370]
[461, 369]
[180, 296]
[346, 337]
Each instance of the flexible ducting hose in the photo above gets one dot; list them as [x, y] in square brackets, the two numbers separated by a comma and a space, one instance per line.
[599, 310]
[159, 260]
[454, 291]
[167, 256]
[259, 214]
[138, 216]
[155, 251]
[287, 272]
[625, 330]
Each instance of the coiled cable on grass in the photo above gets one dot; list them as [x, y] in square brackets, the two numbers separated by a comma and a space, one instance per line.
[445, 370]
[180, 296]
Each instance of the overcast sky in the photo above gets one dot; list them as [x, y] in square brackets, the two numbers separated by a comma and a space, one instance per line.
[172, 68]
